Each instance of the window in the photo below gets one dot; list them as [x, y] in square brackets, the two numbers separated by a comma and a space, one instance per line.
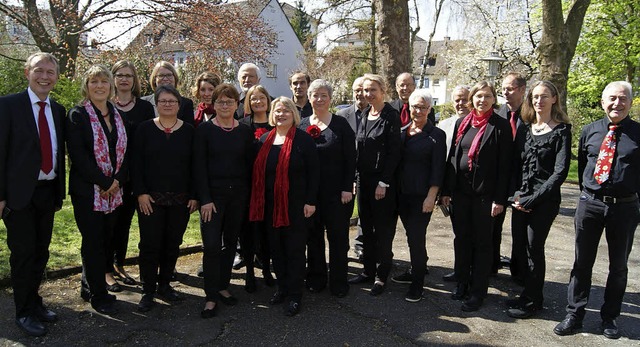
[431, 61]
[436, 82]
[272, 70]
[426, 82]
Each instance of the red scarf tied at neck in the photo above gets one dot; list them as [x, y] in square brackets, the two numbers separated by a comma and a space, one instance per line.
[202, 109]
[478, 121]
[281, 189]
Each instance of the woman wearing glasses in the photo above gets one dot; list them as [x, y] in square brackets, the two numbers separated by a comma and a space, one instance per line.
[162, 145]
[223, 155]
[133, 111]
[165, 74]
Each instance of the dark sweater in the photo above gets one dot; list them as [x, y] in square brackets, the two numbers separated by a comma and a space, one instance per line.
[423, 160]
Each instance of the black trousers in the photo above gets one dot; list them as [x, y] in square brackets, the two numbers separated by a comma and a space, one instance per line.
[161, 235]
[473, 225]
[254, 242]
[120, 239]
[378, 221]
[333, 216]
[496, 237]
[28, 238]
[415, 224]
[619, 221]
[220, 238]
[534, 228]
[96, 229]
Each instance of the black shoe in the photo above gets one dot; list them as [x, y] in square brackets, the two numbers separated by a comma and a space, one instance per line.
[228, 300]
[450, 277]
[268, 278]
[200, 272]
[167, 293]
[414, 295]
[114, 288]
[146, 303]
[405, 278]
[361, 278]
[473, 304]
[292, 309]
[45, 315]
[238, 262]
[516, 303]
[505, 262]
[377, 289]
[106, 308]
[31, 325]
[610, 329]
[461, 292]
[250, 284]
[85, 295]
[568, 326]
[277, 298]
[209, 313]
[525, 310]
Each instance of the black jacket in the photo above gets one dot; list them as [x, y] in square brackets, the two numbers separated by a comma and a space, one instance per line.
[379, 147]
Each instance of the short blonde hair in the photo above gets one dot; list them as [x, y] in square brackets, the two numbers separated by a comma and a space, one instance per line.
[376, 78]
[96, 71]
[250, 92]
[289, 104]
[154, 73]
[36, 57]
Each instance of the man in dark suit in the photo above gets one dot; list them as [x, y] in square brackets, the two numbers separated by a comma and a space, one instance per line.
[608, 170]
[514, 88]
[32, 179]
[405, 85]
[299, 84]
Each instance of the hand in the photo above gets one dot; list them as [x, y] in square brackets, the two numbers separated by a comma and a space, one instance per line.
[207, 211]
[445, 201]
[346, 197]
[3, 204]
[519, 207]
[428, 205]
[380, 193]
[192, 205]
[309, 210]
[144, 202]
[113, 189]
[496, 209]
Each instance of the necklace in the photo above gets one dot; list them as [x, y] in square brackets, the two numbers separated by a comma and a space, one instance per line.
[233, 124]
[168, 130]
[540, 128]
[125, 104]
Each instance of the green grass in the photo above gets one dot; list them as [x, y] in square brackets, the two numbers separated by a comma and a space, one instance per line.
[572, 177]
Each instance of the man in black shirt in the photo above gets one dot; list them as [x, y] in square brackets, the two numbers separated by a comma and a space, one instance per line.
[608, 169]
[299, 84]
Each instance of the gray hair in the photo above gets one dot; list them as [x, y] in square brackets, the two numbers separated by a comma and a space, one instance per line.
[421, 94]
[249, 66]
[628, 90]
[460, 88]
[319, 84]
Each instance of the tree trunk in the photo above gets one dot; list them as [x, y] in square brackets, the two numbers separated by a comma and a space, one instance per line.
[393, 39]
[558, 42]
[373, 45]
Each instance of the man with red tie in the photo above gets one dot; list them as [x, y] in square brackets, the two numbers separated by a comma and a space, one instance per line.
[514, 88]
[32, 180]
[405, 85]
[608, 171]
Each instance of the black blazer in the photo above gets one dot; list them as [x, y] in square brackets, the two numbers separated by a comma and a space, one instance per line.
[84, 171]
[519, 140]
[379, 148]
[492, 168]
[20, 150]
[185, 113]
[397, 104]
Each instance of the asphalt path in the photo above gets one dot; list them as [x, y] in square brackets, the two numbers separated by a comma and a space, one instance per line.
[359, 319]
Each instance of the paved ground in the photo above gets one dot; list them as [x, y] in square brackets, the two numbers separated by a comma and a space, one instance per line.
[356, 320]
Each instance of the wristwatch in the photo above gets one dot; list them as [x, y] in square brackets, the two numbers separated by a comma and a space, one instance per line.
[382, 184]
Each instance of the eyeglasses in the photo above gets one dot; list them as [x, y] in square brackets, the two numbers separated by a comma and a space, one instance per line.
[167, 102]
[419, 108]
[225, 103]
[164, 77]
[124, 76]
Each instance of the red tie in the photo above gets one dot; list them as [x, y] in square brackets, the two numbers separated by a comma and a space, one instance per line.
[45, 140]
[605, 157]
[514, 126]
[405, 118]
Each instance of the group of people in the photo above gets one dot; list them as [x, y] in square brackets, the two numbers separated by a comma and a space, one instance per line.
[278, 175]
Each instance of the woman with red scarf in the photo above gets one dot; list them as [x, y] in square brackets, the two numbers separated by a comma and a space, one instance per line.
[203, 91]
[476, 188]
[284, 192]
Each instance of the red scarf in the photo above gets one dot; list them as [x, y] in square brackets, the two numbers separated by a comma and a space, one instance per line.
[281, 189]
[478, 121]
[202, 109]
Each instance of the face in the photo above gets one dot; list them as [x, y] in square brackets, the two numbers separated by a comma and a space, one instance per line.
[483, 100]
[543, 100]
[42, 77]
[461, 102]
[206, 92]
[299, 85]
[372, 92]
[616, 104]
[248, 78]
[165, 78]
[124, 79]
[405, 86]
[320, 100]
[282, 115]
[259, 102]
[419, 111]
[225, 106]
[358, 96]
[99, 88]
[513, 93]
[167, 105]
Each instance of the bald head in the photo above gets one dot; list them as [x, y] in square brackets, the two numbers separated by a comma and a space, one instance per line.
[405, 85]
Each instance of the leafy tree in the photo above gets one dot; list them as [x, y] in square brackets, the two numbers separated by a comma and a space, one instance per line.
[302, 26]
[12, 78]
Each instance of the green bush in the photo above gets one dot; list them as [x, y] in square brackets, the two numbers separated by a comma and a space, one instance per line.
[67, 92]
[12, 78]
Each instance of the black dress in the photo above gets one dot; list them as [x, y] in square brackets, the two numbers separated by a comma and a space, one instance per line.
[337, 153]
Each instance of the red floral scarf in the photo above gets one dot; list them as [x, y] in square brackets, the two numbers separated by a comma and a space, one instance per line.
[478, 121]
[281, 189]
[202, 109]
